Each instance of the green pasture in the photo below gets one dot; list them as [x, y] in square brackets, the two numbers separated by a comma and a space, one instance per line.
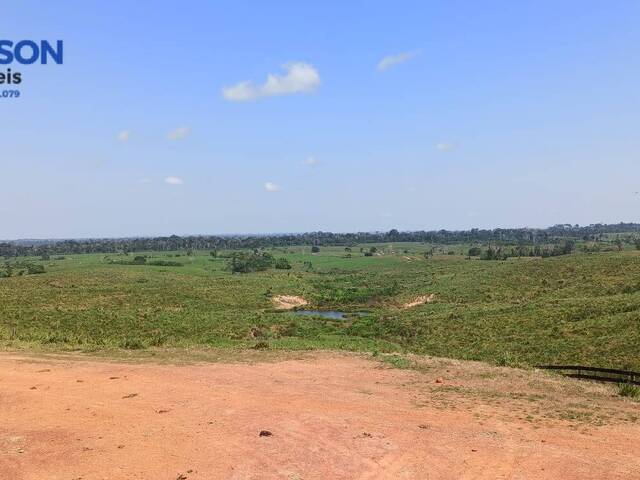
[581, 308]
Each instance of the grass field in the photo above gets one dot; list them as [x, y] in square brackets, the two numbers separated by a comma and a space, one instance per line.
[580, 308]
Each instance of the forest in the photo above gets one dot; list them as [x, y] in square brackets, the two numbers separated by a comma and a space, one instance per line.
[523, 237]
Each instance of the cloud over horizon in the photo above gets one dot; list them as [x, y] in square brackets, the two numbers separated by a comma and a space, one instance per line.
[392, 60]
[311, 161]
[300, 77]
[124, 135]
[173, 180]
[271, 187]
[179, 133]
[444, 146]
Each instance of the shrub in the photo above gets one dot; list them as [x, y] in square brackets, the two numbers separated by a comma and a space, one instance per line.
[475, 252]
[132, 343]
[34, 269]
[283, 264]
[243, 262]
[315, 249]
[629, 390]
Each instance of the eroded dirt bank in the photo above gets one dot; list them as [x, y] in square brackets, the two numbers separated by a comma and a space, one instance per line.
[330, 416]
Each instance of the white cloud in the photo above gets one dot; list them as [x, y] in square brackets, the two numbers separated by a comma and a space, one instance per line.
[311, 162]
[124, 135]
[173, 181]
[271, 187]
[392, 60]
[300, 77]
[178, 133]
[443, 147]
[241, 92]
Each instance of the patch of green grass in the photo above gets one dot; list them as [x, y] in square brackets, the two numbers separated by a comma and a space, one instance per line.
[629, 390]
[396, 361]
[581, 308]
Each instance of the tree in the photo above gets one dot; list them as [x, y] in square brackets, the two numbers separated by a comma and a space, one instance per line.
[475, 252]
[618, 243]
[315, 249]
[243, 262]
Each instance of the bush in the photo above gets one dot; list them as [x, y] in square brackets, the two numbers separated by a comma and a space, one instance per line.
[475, 252]
[35, 269]
[283, 264]
[315, 249]
[629, 390]
[132, 343]
[139, 260]
[243, 262]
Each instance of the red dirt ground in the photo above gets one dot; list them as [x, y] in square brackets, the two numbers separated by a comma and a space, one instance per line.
[331, 416]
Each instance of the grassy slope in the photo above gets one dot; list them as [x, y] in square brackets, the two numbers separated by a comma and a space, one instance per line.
[581, 308]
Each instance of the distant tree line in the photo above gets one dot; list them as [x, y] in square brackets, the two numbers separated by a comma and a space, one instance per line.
[502, 253]
[498, 236]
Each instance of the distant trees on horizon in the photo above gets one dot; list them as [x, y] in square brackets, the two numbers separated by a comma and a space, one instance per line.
[522, 237]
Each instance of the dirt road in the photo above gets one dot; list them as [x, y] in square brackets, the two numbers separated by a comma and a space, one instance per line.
[325, 416]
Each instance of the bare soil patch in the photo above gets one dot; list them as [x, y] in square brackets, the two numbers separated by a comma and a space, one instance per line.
[326, 415]
[288, 302]
[420, 300]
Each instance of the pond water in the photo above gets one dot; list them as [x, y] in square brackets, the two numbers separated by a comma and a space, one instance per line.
[330, 314]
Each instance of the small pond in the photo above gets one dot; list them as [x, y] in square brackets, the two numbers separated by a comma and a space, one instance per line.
[330, 314]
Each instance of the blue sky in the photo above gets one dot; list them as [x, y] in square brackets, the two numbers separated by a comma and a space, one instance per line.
[377, 115]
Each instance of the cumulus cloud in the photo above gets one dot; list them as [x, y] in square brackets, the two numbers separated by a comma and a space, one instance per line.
[311, 162]
[300, 77]
[173, 181]
[178, 133]
[444, 146]
[271, 187]
[124, 135]
[392, 60]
